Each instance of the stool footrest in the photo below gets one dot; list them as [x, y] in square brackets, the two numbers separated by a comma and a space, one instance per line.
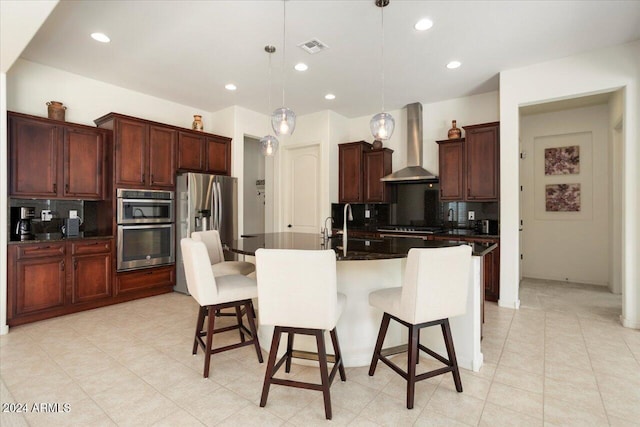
[310, 355]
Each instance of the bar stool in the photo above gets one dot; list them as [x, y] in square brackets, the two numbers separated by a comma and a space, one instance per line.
[211, 239]
[435, 288]
[298, 294]
[213, 294]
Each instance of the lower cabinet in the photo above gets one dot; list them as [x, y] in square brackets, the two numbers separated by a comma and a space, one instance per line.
[52, 279]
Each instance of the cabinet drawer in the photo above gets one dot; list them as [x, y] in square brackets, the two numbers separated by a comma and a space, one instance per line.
[145, 279]
[90, 247]
[40, 250]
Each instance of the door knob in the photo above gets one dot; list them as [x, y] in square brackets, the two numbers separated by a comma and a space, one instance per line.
[289, 226]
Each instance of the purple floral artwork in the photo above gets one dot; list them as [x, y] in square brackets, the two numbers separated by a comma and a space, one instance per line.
[562, 160]
[563, 197]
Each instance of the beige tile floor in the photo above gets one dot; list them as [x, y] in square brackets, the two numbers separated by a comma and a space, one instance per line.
[562, 359]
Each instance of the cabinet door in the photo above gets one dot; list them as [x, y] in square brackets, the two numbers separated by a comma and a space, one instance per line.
[131, 153]
[350, 173]
[219, 156]
[376, 165]
[149, 278]
[162, 159]
[83, 155]
[451, 161]
[482, 163]
[91, 277]
[191, 150]
[40, 284]
[34, 154]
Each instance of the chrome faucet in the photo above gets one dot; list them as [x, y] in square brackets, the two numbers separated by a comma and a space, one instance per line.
[325, 230]
[344, 222]
[450, 216]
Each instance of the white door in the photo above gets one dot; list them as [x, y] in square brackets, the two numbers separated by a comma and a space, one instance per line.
[302, 194]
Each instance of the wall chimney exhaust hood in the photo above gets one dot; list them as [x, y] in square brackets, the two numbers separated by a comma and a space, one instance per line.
[414, 170]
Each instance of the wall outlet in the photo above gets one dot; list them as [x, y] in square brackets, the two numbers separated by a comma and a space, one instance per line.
[367, 213]
[472, 215]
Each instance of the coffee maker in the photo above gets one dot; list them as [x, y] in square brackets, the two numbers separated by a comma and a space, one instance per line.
[21, 227]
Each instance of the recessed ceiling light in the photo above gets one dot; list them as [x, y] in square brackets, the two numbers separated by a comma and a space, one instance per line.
[230, 86]
[329, 96]
[423, 24]
[301, 66]
[453, 64]
[102, 38]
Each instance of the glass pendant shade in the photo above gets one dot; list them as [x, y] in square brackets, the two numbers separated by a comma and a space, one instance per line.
[269, 145]
[382, 126]
[283, 121]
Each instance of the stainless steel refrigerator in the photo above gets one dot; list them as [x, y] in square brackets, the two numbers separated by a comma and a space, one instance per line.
[204, 202]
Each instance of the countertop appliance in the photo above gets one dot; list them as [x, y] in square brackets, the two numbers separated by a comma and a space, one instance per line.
[489, 226]
[205, 202]
[21, 227]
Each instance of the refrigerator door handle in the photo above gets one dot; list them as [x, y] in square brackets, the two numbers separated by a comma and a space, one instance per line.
[219, 206]
[214, 225]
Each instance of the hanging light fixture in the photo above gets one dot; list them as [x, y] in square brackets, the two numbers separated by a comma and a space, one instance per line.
[382, 124]
[269, 144]
[283, 120]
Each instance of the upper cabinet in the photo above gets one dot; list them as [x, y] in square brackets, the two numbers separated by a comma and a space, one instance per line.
[201, 152]
[360, 169]
[52, 159]
[144, 152]
[470, 166]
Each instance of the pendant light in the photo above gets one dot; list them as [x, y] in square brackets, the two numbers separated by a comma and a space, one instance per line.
[283, 120]
[269, 144]
[382, 124]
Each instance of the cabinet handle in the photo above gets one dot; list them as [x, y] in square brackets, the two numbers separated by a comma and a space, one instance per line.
[468, 191]
[149, 272]
[55, 187]
[43, 247]
[66, 188]
[143, 178]
[62, 266]
[152, 178]
[75, 264]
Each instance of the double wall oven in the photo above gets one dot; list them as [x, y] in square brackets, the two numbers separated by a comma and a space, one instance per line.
[146, 234]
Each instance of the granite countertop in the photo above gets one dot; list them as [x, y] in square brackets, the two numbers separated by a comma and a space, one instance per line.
[357, 248]
[59, 237]
[445, 232]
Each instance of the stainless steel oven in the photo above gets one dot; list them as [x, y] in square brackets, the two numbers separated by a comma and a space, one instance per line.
[146, 230]
[144, 206]
[145, 245]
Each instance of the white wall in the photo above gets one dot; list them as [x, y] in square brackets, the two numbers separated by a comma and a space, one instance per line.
[570, 246]
[600, 71]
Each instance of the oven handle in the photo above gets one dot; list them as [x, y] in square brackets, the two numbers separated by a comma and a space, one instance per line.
[139, 227]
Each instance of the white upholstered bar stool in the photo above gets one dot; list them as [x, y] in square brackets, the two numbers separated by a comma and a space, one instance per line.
[297, 290]
[212, 294]
[435, 287]
[211, 239]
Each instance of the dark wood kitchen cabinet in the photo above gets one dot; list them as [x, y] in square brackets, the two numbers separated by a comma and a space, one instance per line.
[359, 171]
[145, 280]
[91, 262]
[377, 163]
[144, 152]
[206, 153]
[470, 166]
[69, 159]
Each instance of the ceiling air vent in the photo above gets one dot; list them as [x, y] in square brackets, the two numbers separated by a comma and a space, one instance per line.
[313, 46]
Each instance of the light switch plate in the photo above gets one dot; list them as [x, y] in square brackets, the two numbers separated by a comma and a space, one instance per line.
[367, 213]
[472, 215]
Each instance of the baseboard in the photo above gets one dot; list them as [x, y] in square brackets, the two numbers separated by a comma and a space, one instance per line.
[509, 304]
[628, 323]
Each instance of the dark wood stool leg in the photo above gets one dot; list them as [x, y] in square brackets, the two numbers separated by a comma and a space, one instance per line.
[412, 352]
[207, 351]
[275, 342]
[287, 366]
[199, 325]
[324, 372]
[251, 318]
[448, 341]
[376, 352]
[338, 354]
[239, 319]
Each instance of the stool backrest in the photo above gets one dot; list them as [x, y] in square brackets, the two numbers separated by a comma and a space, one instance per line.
[297, 288]
[200, 280]
[436, 283]
[211, 239]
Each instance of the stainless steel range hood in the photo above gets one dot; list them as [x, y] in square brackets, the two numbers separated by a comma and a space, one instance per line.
[414, 170]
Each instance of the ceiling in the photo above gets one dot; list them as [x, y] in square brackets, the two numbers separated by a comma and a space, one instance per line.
[186, 51]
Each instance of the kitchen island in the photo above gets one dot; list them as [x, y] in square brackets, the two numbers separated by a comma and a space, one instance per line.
[365, 265]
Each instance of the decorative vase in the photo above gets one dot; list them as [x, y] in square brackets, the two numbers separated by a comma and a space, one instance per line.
[454, 132]
[197, 122]
[377, 144]
[56, 110]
